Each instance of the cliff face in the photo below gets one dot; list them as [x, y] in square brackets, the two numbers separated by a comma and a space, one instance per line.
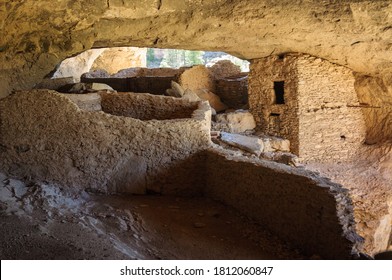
[37, 35]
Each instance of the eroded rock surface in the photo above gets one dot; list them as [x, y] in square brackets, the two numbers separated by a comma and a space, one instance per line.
[351, 33]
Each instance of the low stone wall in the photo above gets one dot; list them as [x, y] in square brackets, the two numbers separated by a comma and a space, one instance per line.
[145, 106]
[46, 136]
[310, 212]
[233, 91]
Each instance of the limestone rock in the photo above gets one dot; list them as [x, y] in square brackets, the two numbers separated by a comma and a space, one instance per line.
[127, 73]
[77, 65]
[191, 96]
[87, 102]
[55, 83]
[224, 68]
[212, 98]
[252, 145]
[197, 78]
[85, 87]
[115, 59]
[235, 122]
[97, 73]
[176, 90]
[273, 144]
[354, 33]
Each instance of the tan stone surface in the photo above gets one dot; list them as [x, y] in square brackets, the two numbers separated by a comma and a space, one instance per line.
[115, 59]
[197, 78]
[223, 69]
[320, 116]
[368, 177]
[235, 122]
[212, 98]
[294, 204]
[375, 97]
[40, 34]
[77, 65]
[88, 102]
[56, 141]
[145, 106]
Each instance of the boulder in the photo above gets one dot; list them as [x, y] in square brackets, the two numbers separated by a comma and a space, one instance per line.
[250, 144]
[196, 78]
[191, 96]
[212, 98]
[176, 90]
[235, 122]
[224, 68]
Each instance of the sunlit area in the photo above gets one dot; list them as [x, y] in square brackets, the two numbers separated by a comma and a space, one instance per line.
[179, 58]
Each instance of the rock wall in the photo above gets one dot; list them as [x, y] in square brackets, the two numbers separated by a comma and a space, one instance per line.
[111, 60]
[331, 123]
[298, 206]
[319, 112]
[77, 65]
[146, 106]
[38, 35]
[108, 153]
[44, 135]
[115, 59]
[375, 96]
[275, 119]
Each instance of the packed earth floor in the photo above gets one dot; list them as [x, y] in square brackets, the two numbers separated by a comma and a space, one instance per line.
[40, 221]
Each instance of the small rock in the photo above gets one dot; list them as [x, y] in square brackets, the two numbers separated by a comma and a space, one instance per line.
[19, 188]
[253, 145]
[235, 122]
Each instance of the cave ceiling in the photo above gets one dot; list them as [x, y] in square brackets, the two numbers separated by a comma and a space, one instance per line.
[37, 35]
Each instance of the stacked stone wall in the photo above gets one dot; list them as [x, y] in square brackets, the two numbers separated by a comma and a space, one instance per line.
[275, 119]
[331, 122]
[321, 114]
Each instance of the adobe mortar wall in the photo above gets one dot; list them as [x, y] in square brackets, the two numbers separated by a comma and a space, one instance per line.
[321, 116]
[144, 106]
[301, 207]
[44, 135]
[263, 73]
[331, 123]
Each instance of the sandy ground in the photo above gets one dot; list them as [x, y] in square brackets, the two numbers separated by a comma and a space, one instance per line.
[40, 221]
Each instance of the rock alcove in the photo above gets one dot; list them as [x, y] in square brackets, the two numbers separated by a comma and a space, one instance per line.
[334, 60]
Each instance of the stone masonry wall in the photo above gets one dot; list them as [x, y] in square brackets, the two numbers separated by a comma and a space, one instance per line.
[310, 212]
[331, 123]
[275, 119]
[146, 106]
[44, 135]
[321, 114]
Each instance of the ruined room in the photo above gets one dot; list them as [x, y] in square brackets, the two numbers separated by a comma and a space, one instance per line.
[269, 138]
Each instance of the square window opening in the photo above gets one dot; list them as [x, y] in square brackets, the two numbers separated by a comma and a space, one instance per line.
[279, 92]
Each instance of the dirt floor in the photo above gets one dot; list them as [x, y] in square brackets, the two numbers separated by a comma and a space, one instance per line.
[40, 221]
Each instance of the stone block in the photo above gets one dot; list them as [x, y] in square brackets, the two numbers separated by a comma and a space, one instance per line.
[250, 144]
[212, 98]
[236, 122]
[55, 83]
